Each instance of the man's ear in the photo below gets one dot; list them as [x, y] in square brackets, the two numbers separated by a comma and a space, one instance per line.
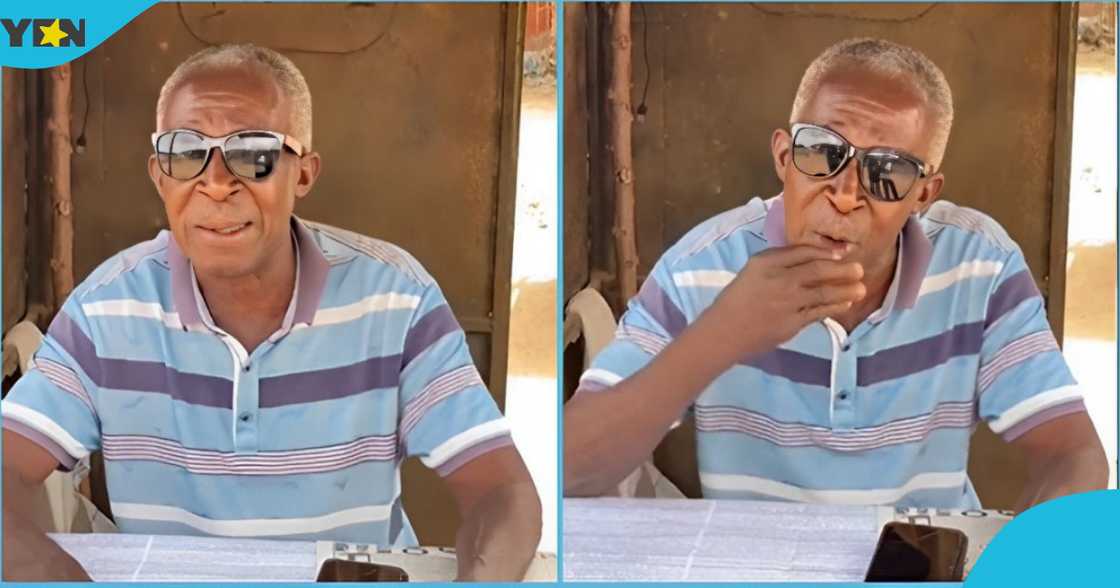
[931, 189]
[155, 174]
[310, 165]
[780, 143]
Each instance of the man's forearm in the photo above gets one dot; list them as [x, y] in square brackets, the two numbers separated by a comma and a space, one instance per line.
[607, 434]
[499, 536]
[29, 555]
[1081, 470]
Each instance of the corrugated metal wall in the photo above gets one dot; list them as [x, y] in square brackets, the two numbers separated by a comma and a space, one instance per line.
[416, 110]
[721, 77]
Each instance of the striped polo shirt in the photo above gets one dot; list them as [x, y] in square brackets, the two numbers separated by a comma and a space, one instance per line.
[301, 439]
[881, 415]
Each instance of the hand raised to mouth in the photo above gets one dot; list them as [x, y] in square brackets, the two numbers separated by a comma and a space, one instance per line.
[782, 290]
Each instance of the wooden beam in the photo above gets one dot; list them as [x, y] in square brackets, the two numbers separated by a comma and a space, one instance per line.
[626, 247]
[58, 136]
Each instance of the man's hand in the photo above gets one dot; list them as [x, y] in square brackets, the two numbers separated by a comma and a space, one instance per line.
[29, 555]
[608, 433]
[778, 293]
[501, 514]
[1064, 456]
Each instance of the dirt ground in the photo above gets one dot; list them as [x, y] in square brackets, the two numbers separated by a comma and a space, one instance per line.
[531, 393]
[1090, 313]
[533, 321]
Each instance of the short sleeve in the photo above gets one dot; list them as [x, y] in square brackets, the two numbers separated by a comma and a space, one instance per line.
[447, 415]
[652, 319]
[54, 403]
[1023, 380]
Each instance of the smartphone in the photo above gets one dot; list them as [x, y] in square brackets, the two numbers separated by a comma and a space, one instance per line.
[344, 570]
[918, 553]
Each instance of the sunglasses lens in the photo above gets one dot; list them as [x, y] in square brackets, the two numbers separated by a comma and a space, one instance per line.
[181, 155]
[817, 152]
[887, 176]
[252, 155]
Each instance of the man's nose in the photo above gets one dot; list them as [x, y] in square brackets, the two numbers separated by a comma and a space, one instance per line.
[216, 181]
[845, 194]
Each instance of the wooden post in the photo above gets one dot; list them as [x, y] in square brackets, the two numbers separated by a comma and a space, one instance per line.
[58, 137]
[626, 247]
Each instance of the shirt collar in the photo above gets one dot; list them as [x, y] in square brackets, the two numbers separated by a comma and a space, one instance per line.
[914, 253]
[311, 278]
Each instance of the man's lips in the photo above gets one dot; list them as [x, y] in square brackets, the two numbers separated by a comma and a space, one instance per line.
[225, 228]
[834, 243]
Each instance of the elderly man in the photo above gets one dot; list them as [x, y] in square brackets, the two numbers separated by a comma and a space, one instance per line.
[251, 374]
[838, 343]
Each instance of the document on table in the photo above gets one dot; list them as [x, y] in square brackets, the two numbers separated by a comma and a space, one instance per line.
[121, 557]
[733, 540]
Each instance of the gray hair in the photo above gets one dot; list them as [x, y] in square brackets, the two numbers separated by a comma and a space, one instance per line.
[891, 60]
[281, 69]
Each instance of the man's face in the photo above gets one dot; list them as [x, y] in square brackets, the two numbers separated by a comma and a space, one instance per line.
[869, 111]
[204, 213]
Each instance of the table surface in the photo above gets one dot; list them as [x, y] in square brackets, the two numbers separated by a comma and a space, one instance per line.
[635, 539]
[122, 557]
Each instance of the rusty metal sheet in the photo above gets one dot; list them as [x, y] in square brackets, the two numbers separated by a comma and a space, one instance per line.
[742, 62]
[576, 193]
[410, 107]
[721, 77]
[415, 110]
[15, 197]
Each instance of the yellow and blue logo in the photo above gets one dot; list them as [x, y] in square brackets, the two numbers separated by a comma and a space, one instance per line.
[45, 32]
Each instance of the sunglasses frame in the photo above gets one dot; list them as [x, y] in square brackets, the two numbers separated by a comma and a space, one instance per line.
[220, 142]
[858, 154]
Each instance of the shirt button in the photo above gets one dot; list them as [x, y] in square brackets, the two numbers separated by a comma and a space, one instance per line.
[846, 347]
[843, 396]
[245, 417]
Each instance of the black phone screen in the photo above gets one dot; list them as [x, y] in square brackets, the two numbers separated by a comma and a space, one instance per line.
[918, 553]
[344, 570]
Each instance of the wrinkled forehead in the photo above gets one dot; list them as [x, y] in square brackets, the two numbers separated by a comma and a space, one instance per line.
[871, 108]
[221, 100]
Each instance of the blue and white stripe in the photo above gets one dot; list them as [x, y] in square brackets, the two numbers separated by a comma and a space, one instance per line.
[303, 438]
[881, 415]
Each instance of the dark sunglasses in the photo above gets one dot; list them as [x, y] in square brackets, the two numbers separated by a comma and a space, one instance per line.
[183, 154]
[886, 174]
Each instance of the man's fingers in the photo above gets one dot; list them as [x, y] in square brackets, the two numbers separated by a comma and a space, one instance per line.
[830, 294]
[798, 254]
[819, 271]
[816, 313]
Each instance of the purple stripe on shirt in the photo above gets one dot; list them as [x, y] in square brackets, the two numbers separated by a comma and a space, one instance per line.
[264, 463]
[182, 286]
[65, 379]
[947, 415]
[774, 227]
[917, 251]
[1066, 408]
[1015, 353]
[312, 276]
[661, 308]
[65, 460]
[792, 365]
[330, 383]
[472, 452]
[1012, 292]
[138, 375]
[911, 358]
[438, 390]
[432, 327]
